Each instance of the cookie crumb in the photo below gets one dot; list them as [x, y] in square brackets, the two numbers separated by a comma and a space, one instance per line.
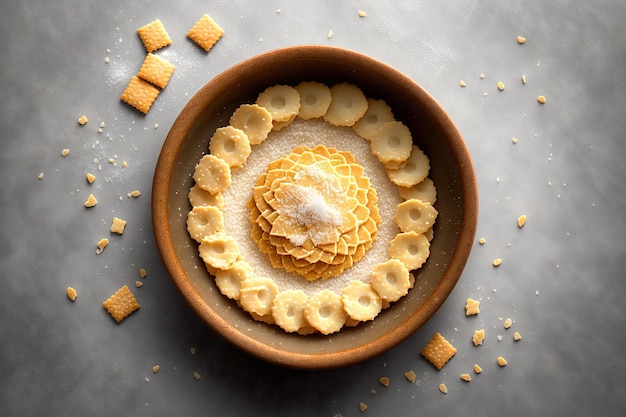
[497, 262]
[501, 361]
[102, 243]
[143, 273]
[462, 83]
[521, 40]
[521, 221]
[500, 85]
[65, 152]
[466, 377]
[138, 284]
[482, 241]
[71, 293]
[134, 194]
[517, 337]
[508, 323]
[443, 388]
[90, 178]
[330, 34]
[362, 13]
[362, 407]
[40, 176]
[523, 79]
[91, 201]
[478, 337]
[118, 226]
[196, 375]
[384, 381]
[472, 307]
[410, 376]
[477, 368]
[82, 120]
[541, 99]
[192, 350]
[514, 140]
[156, 368]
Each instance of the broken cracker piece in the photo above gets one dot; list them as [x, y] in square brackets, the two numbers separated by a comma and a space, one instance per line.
[205, 32]
[410, 376]
[121, 304]
[478, 337]
[118, 226]
[472, 307]
[102, 243]
[91, 201]
[438, 351]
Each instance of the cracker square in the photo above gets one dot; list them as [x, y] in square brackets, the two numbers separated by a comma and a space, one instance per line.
[121, 304]
[156, 70]
[438, 351]
[140, 94]
[154, 36]
[205, 32]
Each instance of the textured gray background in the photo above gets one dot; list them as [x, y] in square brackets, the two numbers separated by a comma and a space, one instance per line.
[562, 280]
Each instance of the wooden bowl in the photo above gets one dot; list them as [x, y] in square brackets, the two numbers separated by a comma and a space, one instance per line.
[433, 131]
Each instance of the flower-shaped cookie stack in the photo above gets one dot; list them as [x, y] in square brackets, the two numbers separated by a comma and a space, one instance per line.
[314, 212]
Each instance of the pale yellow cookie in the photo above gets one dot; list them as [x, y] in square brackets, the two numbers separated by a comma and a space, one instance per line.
[412, 171]
[425, 191]
[360, 301]
[438, 351]
[140, 94]
[391, 280]
[254, 120]
[231, 145]
[288, 310]
[314, 99]
[219, 250]
[154, 36]
[212, 174]
[156, 70]
[199, 197]
[378, 113]
[324, 311]
[205, 32]
[410, 248]
[229, 281]
[392, 143]
[282, 101]
[204, 221]
[257, 294]
[415, 216]
[348, 105]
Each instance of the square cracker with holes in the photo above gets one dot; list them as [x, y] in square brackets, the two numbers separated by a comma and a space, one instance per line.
[205, 32]
[156, 70]
[121, 304]
[154, 36]
[140, 94]
[438, 351]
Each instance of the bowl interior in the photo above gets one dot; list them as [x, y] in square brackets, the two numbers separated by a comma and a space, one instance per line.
[433, 132]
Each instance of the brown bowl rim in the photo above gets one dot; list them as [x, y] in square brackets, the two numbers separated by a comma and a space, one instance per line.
[160, 188]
